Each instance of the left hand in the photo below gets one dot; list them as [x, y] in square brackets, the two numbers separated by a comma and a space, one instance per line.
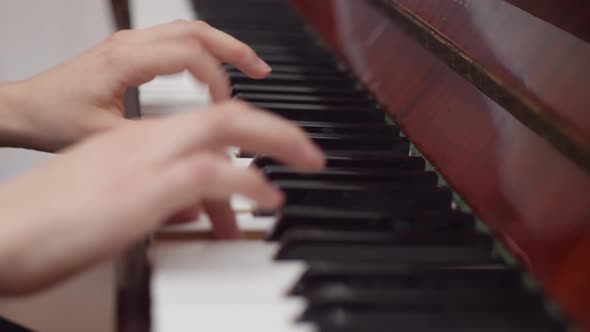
[111, 190]
[84, 95]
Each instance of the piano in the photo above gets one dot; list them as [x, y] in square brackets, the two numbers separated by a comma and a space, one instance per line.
[457, 192]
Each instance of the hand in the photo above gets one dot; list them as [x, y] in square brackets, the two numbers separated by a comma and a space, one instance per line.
[114, 188]
[84, 95]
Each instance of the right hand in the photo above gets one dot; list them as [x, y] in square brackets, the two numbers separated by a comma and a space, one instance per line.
[109, 191]
[84, 95]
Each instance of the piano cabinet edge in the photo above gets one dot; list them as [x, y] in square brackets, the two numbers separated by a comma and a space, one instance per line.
[133, 295]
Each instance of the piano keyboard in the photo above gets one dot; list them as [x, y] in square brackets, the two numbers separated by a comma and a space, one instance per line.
[370, 244]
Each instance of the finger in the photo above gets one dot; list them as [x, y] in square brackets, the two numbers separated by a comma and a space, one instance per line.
[230, 50]
[132, 64]
[222, 45]
[184, 216]
[208, 70]
[237, 124]
[222, 218]
[208, 177]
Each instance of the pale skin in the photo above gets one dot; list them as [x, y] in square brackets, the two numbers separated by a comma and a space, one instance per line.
[117, 180]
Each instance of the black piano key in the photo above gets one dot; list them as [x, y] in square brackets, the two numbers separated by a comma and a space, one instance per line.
[307, 70]
[420, 178]
[449, 301]
[251, 10]
[377, 160]
[237, 77]
[300, 42]
[323, 113]
[8, 326]
[360, 142]
[345, 320]
[443, 254]
[287, 38]
[306, 99]
[301, 70]
[318, 108]
[248, 14]
[361, 196]
[269, 49]
[423, 300]
[399, 222]
[364, 275]
[297, 89]
[297, 60]
[305, 236]
[288, 28]
[215, 19]
[265, 33]
[350, 143]
[348, 128]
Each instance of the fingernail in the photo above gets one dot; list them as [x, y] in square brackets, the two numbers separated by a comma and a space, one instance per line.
[263, 65]
[276, 198]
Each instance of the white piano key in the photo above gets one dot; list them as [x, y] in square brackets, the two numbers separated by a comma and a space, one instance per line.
[173, 93]
[242, 204]
[243, 162]
[225, 284]
[212, 253]
[228, 317]
[147, 13]
[246, 222]
[191, 268]
[201, 284]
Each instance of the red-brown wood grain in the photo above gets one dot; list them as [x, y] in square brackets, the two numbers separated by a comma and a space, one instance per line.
[512, 177]
[569, 15]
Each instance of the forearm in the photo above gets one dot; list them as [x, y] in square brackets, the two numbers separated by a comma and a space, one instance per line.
[16, 241]
[15, 127]
[39, 245]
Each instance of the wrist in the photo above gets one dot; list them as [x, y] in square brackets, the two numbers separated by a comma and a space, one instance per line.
[15, 127]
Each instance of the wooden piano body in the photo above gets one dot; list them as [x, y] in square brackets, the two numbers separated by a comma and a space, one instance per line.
[495, 94]
[497, 98]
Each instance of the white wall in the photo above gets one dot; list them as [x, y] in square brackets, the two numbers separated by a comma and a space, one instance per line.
[37, 34]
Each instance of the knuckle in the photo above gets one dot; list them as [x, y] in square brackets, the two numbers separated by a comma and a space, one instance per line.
[220, 118]
[206, 169]
[116, 47]
[114, 53]
[194, 51]
[201, 25]
[215, 124]
[230, 109]
[121, 36]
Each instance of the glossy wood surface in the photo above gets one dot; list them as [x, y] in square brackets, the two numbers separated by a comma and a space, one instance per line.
[569, 15]
[512, 176]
